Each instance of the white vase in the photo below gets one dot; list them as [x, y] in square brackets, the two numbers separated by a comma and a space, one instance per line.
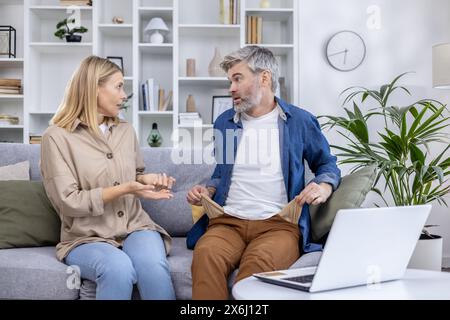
[214, 68]
[427, 254]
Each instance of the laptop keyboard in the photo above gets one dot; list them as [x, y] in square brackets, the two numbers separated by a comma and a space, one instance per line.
[302, 279]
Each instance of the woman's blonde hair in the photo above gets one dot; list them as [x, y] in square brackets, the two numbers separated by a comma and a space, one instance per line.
[80, 97]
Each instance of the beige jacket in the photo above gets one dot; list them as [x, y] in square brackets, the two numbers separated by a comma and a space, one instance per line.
[75, 167]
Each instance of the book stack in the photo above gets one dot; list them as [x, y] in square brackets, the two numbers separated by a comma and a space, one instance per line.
[6, 120]
[35, 139]
[75, 2]
[190, 119]
[254, 29]
[229, 11]
[10, 86]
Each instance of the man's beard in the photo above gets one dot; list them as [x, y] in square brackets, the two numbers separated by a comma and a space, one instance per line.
[249, 102]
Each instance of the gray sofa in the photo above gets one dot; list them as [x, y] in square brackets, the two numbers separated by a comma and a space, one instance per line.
[35, 273]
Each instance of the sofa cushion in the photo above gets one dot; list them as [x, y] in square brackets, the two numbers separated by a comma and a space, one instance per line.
[28, 223]
[17, 171]
[17, 152]
[350, 194]
[34, 273]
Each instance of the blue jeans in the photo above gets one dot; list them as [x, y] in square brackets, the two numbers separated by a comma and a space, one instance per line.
[142, 260]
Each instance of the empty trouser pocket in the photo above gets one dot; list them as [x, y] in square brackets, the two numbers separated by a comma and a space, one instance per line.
[291, 212]
[212, 209]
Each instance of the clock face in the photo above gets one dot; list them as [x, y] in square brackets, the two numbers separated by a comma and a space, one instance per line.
[345, 50]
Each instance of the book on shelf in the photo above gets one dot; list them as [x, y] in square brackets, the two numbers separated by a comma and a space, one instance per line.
[168, 102]
[75, 2]
[17, 83]
[161, 99]
[34, 139]
[229, 11]
[9, 91]
[150, 95]
[254, 29]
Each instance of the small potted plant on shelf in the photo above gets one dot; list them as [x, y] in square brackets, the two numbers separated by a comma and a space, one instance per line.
[63, 30]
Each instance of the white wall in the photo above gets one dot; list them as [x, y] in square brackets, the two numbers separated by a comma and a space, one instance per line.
[409, 29]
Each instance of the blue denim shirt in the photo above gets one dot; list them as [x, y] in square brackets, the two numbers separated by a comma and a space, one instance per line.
[300, 139]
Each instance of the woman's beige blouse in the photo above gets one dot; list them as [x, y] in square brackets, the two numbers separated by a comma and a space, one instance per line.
[76, 166]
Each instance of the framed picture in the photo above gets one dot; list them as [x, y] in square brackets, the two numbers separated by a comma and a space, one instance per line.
[118, 61]
[220, 104]
[7, 41]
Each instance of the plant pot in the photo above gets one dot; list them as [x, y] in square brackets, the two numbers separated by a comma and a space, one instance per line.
[73, 38]
[427, 254]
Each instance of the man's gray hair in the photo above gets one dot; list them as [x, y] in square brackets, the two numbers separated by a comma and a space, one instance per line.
[258, 60]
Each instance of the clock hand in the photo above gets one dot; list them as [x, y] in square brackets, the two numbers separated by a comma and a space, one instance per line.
[340, 52]
[345, 55]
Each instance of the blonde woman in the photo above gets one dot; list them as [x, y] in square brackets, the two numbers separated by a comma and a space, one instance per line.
[93, 174]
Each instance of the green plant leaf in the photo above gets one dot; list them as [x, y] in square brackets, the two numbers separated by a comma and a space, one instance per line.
[416, 154]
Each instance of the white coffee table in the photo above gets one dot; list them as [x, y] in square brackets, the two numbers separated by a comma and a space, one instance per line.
[417, 284]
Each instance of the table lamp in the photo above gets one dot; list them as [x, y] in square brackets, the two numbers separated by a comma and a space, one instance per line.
[441, 66]
[154, 26]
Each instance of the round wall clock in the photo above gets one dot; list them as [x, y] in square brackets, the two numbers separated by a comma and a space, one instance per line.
[345, 50]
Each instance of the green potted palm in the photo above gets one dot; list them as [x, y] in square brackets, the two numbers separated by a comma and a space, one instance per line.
[401, 150]
[64, 30]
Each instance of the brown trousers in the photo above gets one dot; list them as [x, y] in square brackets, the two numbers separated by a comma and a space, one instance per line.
[250, 245]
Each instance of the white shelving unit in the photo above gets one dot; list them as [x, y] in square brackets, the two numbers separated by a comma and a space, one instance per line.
[45, 63]
[11, 13]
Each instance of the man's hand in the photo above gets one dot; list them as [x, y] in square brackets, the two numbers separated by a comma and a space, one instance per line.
[195, 195]
[314, 194]
[147, 191]
[159, 181]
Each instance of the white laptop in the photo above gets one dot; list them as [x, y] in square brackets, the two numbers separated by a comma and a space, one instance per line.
[364, 246]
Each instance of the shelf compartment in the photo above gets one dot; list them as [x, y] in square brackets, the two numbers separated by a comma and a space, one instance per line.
[200, 12]
[146, 14]
[277, 26]
[108, 9]
[44, 20]
[165, 125]
[202, 49]
[11, 135]
[118, 46]
[39, 122]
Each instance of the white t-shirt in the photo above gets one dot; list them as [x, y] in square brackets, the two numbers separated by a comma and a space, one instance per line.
[257, 189]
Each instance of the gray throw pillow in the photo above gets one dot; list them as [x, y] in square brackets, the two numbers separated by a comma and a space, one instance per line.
[351, 193]
[18, 171]
[27, 218]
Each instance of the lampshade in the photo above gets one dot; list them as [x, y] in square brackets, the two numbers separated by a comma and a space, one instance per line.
[156, 24]
[441, 66]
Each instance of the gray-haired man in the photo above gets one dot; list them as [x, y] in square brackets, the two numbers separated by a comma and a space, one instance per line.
[258, 218]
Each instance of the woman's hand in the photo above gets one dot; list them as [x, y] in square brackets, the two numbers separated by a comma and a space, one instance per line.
[159, 181]
[148, 191]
